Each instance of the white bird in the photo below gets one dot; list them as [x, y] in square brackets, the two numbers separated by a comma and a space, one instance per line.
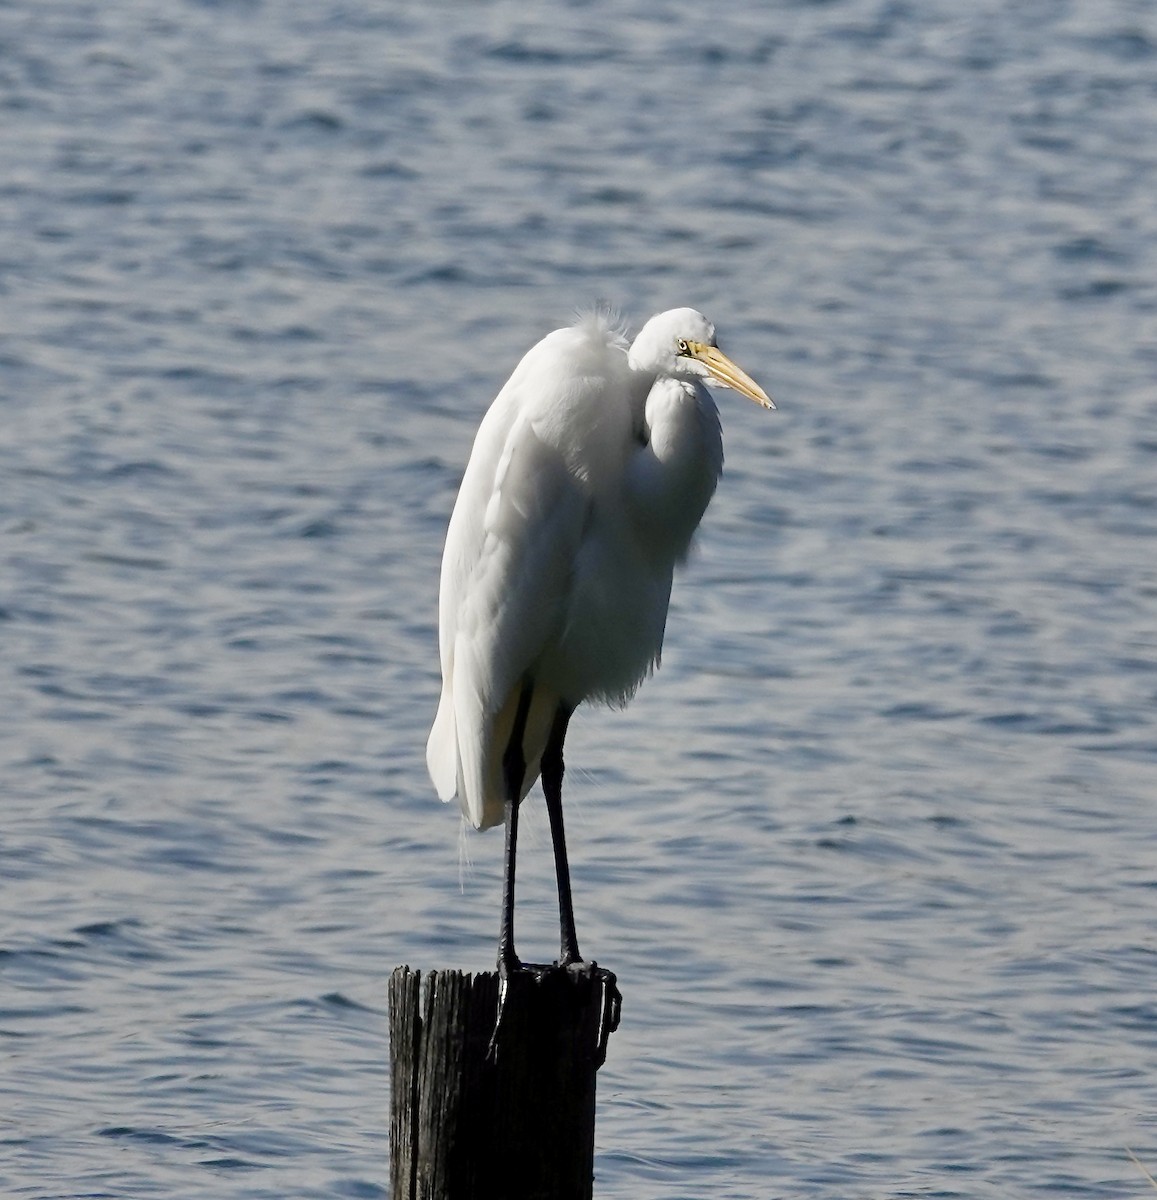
[588, 477]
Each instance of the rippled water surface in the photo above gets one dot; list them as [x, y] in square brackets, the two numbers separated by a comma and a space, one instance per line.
[874, 855]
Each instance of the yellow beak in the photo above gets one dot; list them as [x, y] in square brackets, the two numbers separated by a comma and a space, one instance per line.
[724, 371]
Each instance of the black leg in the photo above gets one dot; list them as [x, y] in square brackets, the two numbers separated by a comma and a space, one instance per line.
[552, 769]
[513, 772]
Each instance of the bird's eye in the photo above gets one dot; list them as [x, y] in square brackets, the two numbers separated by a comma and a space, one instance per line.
[682, 347]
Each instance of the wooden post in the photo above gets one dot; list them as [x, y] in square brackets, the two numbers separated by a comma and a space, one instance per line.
[479, 1113]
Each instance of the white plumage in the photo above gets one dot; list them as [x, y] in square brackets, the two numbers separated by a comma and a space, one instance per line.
[588, 477]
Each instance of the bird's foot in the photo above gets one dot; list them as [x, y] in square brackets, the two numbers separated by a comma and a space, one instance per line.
[512, 971]
[577, 968]
[508, 964]
[612, 1009]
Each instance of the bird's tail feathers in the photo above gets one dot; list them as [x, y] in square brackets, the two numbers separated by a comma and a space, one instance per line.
[442, 749]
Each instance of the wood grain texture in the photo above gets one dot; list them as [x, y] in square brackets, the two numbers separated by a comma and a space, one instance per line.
[480, 1113]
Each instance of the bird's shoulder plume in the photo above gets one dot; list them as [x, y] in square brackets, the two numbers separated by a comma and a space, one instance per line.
[604, 322]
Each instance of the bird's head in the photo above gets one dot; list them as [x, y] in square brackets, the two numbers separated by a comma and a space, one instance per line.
[681, 343]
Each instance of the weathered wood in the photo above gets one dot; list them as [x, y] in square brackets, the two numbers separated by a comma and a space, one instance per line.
[404, 1035]
[509, 1114]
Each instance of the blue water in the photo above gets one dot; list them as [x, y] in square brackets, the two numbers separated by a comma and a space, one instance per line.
[874, 855]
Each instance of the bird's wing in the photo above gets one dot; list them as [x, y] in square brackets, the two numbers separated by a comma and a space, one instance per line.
[506, 573]
[512, 603]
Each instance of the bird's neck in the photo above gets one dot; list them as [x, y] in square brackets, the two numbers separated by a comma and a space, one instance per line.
[673, 475]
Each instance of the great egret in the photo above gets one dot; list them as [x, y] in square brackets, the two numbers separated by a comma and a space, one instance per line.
[588, 477]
